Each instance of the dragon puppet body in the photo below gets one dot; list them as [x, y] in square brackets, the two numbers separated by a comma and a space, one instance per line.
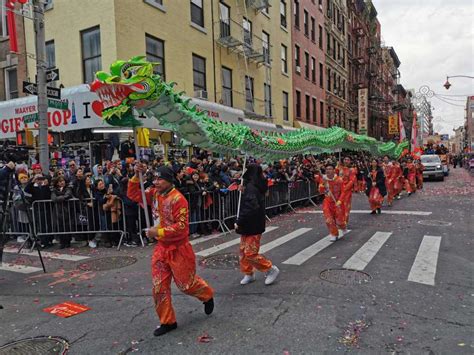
[133, 85]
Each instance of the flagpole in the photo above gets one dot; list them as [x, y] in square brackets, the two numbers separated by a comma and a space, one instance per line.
[241, 185]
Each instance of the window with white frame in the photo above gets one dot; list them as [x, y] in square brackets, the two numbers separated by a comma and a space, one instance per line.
[11, 83]
[199, 73]
[285, 106]
[268, 99]
[91, 53]
[197, 12]
[266, 47]
[227, 96]
[3, 19]
[249, 97]
[284, 59]
[155, 52]
[50, 55]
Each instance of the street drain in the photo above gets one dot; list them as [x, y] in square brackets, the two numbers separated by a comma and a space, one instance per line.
[107, 263]
[42, 345]
[228, 261]
[434, 223]
[345, 276]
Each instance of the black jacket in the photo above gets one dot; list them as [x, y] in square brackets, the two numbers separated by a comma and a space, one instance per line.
[251, 220]
[380, 182]
[5, 179]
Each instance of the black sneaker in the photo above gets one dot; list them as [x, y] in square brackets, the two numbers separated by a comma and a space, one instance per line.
[165, 328]
[209, 306]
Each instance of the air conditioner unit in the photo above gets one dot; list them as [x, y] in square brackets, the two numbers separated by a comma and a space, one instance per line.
[201, 94]
[298, 69]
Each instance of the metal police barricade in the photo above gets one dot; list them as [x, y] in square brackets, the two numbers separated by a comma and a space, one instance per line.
[17, 220]
[299, 191]
[277, 197]
[229, 205]
[314, 194]
[204, 208]
[96, 219]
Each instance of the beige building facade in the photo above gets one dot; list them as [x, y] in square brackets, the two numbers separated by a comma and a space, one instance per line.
[233, 52]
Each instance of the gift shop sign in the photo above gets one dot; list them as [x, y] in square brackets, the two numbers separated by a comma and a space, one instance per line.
[75, 111]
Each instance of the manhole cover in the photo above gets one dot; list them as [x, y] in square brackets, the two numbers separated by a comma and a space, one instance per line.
[107, 263]
[345, 276]
[39, 346]
[431, 222]
[221, 261]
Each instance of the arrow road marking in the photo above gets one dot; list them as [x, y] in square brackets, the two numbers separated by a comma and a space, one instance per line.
[423, 269]
[364, 255]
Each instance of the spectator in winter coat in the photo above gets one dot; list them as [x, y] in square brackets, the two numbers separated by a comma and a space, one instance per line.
[40, 190]
[60, 194]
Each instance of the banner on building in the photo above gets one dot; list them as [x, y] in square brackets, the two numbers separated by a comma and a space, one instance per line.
[363, 110]
[414, 132]
[393, 124]
[403, 134]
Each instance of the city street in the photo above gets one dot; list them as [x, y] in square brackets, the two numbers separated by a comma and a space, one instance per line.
[415, 294]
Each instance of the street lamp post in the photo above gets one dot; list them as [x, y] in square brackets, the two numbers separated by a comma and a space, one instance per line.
[447, 84]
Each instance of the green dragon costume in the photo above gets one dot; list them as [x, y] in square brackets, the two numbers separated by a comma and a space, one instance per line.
[133, 85]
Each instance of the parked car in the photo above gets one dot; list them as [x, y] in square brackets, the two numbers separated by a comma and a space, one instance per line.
[433, 167]
[445, 163]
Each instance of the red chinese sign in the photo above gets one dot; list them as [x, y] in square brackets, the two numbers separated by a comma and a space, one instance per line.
[66, 309]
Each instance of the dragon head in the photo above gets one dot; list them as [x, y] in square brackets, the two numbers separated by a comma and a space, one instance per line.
[130, 84]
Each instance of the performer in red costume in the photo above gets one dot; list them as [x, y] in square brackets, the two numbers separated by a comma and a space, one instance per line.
[419, 174]
[411, 177]
[173, 256]
[332, 186]
[349, 177]
[376, 189]
[397, 176]
[389, 172]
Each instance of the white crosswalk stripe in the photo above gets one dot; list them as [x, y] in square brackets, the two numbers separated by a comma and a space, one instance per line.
[423, 269]
[50, 255]
[408, 213]
[19, 268]
[309, 252]
[282, 240]
[219, 247]
[365, 254]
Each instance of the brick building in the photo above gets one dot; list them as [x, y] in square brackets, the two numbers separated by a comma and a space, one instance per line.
[309, 62]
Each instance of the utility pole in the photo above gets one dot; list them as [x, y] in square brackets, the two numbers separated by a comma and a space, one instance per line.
[38, 18]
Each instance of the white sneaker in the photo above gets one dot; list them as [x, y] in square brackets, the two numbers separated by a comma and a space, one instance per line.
[272, 275]
[247, 279]
[341, 233]
[92, 244]
[333, 238]
[20, 239]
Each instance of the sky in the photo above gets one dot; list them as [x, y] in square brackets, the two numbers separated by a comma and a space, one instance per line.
[433, 39]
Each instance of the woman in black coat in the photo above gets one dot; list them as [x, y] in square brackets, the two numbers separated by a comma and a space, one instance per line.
[375, 187]
[251, 225]
[60, 194]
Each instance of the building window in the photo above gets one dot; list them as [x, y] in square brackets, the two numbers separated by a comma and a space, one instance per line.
[306, 22]
[321, 75]
[308, 107]
[227, 97]
[328, 43]
[249, 106]
[283, 21]
[320, 37]
[314, 116]
[155, 52]
[224, 17]
[306, 65]
[3, 19]
[50, 55]
[284, 59]
[197, 12]
[268, 99]
[199, 73]
[329, 80]
[91, 53]
[321, 113]
[266, 47]
[313, 29]
[313, 69]
[344, 89]
[11, 83]
[298, 104]
[285, 107]
[296, 12]
[247, 32]
[297, 58]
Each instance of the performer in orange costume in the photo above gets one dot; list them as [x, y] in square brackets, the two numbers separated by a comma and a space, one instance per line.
[397, 176]
[389, 171]
[349, 177]
[333, 187]
[376, 189]
[419, 174]
[411, 178]
[173, 255]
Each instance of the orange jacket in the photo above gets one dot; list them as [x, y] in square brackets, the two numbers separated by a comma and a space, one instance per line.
[171, 210]
[336, 186]
[349, 178]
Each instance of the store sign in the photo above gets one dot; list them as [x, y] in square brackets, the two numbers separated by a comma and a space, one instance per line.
[393, 124]
[363, 109]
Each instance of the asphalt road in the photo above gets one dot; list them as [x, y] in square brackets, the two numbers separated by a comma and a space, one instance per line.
[416, 295]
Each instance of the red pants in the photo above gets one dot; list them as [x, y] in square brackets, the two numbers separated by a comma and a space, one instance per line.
[411, 183]
[334, 216]
[391, 191]
[347, 205]
[419, 181]
[375, 198]
[179, 263]
[250, 259]
[397, 186]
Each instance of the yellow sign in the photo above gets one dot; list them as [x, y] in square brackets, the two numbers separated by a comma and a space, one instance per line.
[363, 109]
[393, 125]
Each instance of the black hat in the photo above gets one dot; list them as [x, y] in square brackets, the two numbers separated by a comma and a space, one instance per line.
[165, 173]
